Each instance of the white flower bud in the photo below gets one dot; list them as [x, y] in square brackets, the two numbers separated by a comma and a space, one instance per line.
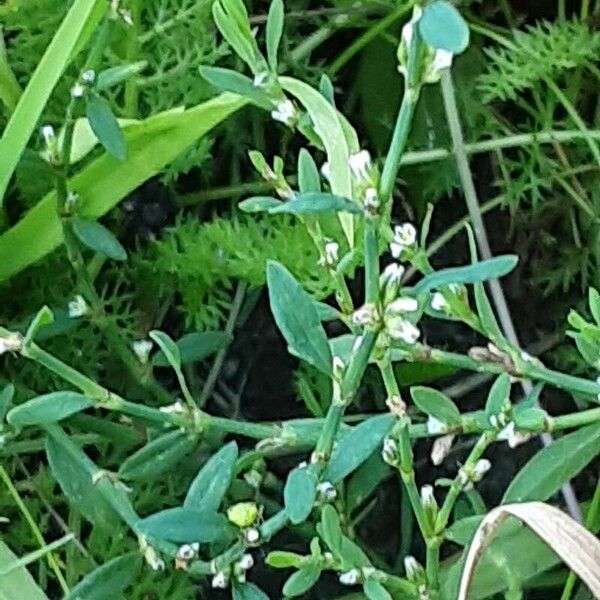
[360, 165]
[390, 452]
[327, 491]
[441, 448]
[260, 79]
[285, 112]
[365, 316]
[251, 535]
[438, 302]
[326, 171]
[246, 562]
[88, 76]
[393, 274]
[412, 567]
[401, 329]
[402, 305]
[186, 552]
[220, 581]
[78, 307]
[351, 577]
[142, 349]
[427, 496]
[13, 342]
[481, 468]
[77, 91]
[371, 201]
[331, 256]
[48, 134]
[177, 408]
[405, 236]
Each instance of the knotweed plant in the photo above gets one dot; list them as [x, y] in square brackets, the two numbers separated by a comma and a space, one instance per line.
[345, 203]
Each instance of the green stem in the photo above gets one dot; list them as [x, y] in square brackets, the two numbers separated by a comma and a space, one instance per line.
[132, 92]
[37, 534]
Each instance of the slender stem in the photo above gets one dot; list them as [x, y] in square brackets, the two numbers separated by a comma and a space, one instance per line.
[371, 263]
[132, 92]
[37, 534]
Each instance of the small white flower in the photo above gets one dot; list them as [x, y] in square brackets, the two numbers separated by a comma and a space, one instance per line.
[351, 577]
[77, 91]
[400, 329]
[142, 349]
[427, 496]
[285, 112]
[438, 302]
[220, 581]
[246, 562]
[176, 408]
[326, 171]
[405, 234]
[186, 552]
[327, 491]
[360, 165]
[48, 134]
[78, 307]
[365, 316]
[441, 448]
[402, 305]
[158, 564]
[435, 426]
[441, 60]
[13, 342]
[392, 274]
[481, 468]
[332, 253]
[371, 199]
[251, 535]
[88, 76]
[389, 452]
[195, 547]
[260, 79]
[411, 566]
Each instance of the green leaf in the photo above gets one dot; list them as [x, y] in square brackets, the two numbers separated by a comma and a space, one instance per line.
[433, 402]
[498, 399]
[227, 80]
[185, 526]
[594, 301]
[299, 494]
[375, 591]
[553, 466]
[297, 318]
[302, 580]
[356, 447]
[194, 347]
[6, 397]
[313, 203]
[529, 418]
[274, 32]
[101, 184]
[328, 127]
[48, 408]
[279, 559]
[258, 204]
[309, 180]
[212, 481]
[107, 581]
[43, 318]
[98, 238]
[158, 456]
[168, 347]
[331, 531]
[26, 116]
[367, 478]
[85, 486]
[248, 591]
[106, 127]
[442, 27]
[17, 583]
[116, 75]
[481, 271]
[486, 313]
[352, 555]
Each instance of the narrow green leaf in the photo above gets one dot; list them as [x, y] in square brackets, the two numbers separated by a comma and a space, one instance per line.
[442, 27]
[481, 271]
[45, 77]
[313, 203]
[297, 318]
[18, 583]
[248, 591]
[194, 347]
[554, 465]
[498, 399]
[326, 89]
[258, 204]
[185, 526]
[274, 32]
[43, 318]
[433, 402]
[119, 74]
[212, 481]
[486, 313]
[98, 238]
[153, 144]
[106, 127]
[107, 581]
[594, 301]
[375, 591]
[6, 397]
[328, 127]
[228, 80]
[299, 494]
[331, 531]
[309, 180]
[356, 447]
[158, 456]
[302, 580]
[168, 347]
[279, 559]
[232, 21]
[48, 408]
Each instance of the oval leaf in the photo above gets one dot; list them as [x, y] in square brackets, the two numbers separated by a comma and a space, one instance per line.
[498, 399]
[434, 403]
[442, 27]
[248, 591]
[194, 347]
[299, 494]
[314, 203]
[331, 530]
[48, 408]
[375, 591]
[168, 347]
[309, 179]
[357, 446]
[227, 80]
[302, 580]
[210, 484]
[297, 318]
[274, 32]
[554, 465]
[96, 237]
[107, 581]
[106, 127]
[185, 526]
